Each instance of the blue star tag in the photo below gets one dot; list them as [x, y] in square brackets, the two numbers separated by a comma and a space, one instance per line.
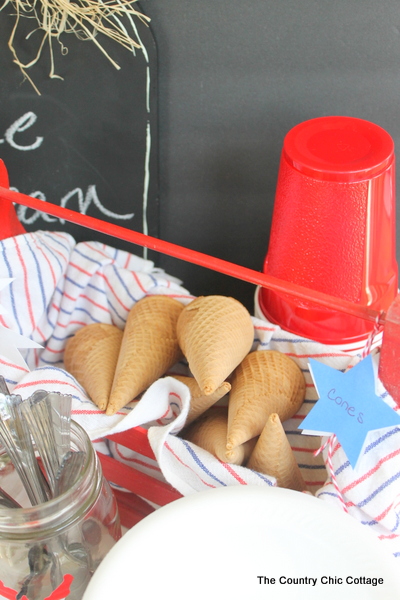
[348, 406]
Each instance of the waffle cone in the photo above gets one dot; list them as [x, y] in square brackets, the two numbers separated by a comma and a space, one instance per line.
[149, 348]
[91, 357]
[209, 432]
[273, 456]
[215, 334]
[265, 382]
[240, 454]
[199, 403]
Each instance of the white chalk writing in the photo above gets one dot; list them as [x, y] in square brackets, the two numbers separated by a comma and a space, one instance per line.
[20, 125]
[84, 201]
[13, 137]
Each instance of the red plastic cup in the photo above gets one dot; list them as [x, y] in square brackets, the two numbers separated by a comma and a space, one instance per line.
[333, 226]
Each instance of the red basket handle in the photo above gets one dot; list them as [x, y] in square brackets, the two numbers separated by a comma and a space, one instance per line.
[12, 227]
[9, 222]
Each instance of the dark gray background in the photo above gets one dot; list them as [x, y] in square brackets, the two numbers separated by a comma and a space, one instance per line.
[234, 77]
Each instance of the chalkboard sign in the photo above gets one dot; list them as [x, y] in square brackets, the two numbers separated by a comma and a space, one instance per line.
[89, 140]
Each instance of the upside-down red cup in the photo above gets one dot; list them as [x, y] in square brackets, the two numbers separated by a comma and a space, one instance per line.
[333, 227]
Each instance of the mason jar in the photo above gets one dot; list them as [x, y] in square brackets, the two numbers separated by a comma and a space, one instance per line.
[50, 551]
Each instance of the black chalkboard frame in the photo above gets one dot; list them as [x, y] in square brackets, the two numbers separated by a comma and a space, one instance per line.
[89, 141]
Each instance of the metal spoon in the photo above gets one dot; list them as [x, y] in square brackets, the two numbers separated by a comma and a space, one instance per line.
[68, 471]
[60, 406]
[17, 441]
[7, 501]
[39, 562]
[3, 386]
[49, 417]
[67, 475]
[35, 411]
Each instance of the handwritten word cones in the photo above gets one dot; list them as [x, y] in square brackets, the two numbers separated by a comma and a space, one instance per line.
[215, 333]
[265, 382]
[114, 374]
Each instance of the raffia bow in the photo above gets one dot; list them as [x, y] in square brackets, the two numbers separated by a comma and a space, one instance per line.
[84, 18]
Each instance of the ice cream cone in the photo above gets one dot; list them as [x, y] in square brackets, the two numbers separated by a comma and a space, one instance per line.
[273, 456]
[265, 382]
[199, 403]
[215, 334]
[91, 357]
[209, 432]
[149, 348]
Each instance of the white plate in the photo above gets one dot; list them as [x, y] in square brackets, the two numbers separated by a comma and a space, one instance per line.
[220, 544]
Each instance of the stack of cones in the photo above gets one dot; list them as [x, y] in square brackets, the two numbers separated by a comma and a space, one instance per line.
[209, 432]
[266, 387]
[265, 382]
[115, 367]
[215, 333]
[149, 348]
[273, 456]
[199, 402]
[91, 356]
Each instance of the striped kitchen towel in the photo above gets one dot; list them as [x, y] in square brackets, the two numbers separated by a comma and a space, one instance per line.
[58, 286]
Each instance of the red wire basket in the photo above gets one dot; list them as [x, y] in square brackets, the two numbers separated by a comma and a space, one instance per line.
[133, 505]
[145, 491]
